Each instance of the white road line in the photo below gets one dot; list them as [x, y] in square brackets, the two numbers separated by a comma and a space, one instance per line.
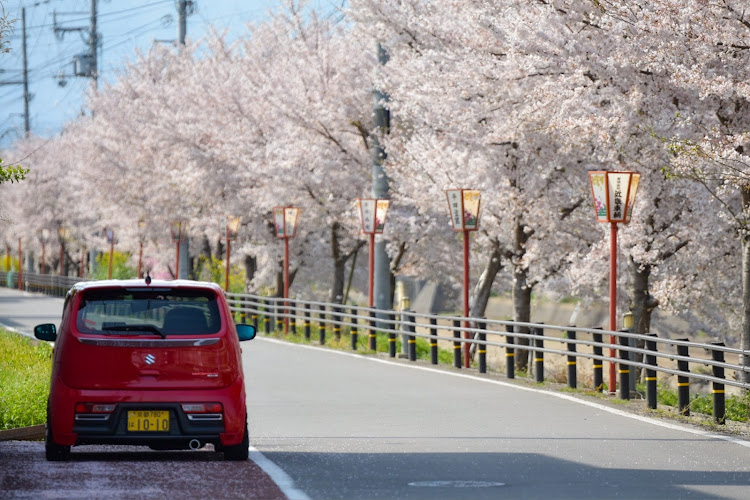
[278, 476]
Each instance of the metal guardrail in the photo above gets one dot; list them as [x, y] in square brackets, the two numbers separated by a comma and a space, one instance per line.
[670, 356]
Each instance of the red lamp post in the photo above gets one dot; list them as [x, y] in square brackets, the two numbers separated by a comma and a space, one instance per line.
[285, 221]
[614, 196]
[176, 231]
[372, 214]
[228, 227]
[464, 209]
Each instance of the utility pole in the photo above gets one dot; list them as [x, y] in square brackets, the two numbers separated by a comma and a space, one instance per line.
[25, 77]
[182, 6]
[25, 81]
[382, 117]
[93, 44]
[86, 64]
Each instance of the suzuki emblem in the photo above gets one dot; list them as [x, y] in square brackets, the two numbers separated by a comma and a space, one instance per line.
[150, 359]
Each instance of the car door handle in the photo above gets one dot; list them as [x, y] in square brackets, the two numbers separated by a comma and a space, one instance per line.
[150, 373]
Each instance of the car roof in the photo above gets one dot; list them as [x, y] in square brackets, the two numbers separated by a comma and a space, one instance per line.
[141, 283]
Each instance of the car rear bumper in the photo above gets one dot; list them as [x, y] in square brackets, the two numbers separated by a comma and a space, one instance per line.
[113, 428]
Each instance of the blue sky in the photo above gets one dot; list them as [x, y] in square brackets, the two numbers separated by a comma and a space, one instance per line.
[123, 26]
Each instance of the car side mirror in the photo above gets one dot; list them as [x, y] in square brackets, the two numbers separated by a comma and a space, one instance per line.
[47, 332]
[245, 332]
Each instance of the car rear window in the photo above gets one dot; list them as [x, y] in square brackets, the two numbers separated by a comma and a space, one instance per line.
[160, 311]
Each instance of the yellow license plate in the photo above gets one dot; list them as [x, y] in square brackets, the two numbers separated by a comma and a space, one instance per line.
[148, 421]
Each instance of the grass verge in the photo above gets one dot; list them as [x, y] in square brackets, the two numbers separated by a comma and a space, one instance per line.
[25, 367]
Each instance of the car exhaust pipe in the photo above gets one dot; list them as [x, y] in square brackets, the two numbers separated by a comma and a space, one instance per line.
[194, 444]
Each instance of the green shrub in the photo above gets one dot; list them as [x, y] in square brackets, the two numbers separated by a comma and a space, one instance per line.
[120, 268]
[25, 367]
[214, 270]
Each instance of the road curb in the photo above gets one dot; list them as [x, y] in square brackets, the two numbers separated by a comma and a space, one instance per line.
[33, 433]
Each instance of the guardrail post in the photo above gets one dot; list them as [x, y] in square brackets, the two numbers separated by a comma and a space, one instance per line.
[433, 341]
[354, 330]
[266, 317]
[482, 347]
[683, 382]
[337, 323]
[292, 317]
[510, 354]
[392, 336]
[373, 337]
[718, 388]
[598, 363]
[456, 344]
[322, 325]
[412, 328]
[572, 380]
[243, 317]
[539, 356]
[279, 315]
[306, 325]
[651, 373]
[624, 368]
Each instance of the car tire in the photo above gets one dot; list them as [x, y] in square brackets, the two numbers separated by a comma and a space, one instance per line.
[54, 452]
[239, 451]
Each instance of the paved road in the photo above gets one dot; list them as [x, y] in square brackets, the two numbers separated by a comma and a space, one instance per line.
[329, 425]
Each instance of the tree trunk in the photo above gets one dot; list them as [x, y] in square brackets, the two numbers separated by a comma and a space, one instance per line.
[642, 305]
[340, 259]
[745, 339]
[251, 267]
[484, 287]
[395, 264]
[521, 313]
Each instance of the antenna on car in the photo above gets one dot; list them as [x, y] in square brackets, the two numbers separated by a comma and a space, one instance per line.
[148, 278]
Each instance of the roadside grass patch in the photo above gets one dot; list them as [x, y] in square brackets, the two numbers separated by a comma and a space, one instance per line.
[25, 368]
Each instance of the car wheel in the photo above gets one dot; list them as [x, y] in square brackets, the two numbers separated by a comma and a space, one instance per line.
[54, 452]
[238, 451]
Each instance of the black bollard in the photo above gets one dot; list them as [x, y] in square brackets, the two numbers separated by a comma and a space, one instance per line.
[510, 354]
[572, 379]
[598, 363]
[651, 373]
[683, 382]
[718, 388]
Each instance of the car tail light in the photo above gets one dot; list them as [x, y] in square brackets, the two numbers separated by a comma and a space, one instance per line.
[94, 412]
[204, 412]
[95, 407]
[202, 408]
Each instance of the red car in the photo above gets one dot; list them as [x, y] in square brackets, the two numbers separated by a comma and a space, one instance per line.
[147, 363]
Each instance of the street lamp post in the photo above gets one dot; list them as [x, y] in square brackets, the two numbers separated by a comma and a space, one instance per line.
[372, 214]
[614, 195]
[229, 226]
[285, 220]
[464, 209]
